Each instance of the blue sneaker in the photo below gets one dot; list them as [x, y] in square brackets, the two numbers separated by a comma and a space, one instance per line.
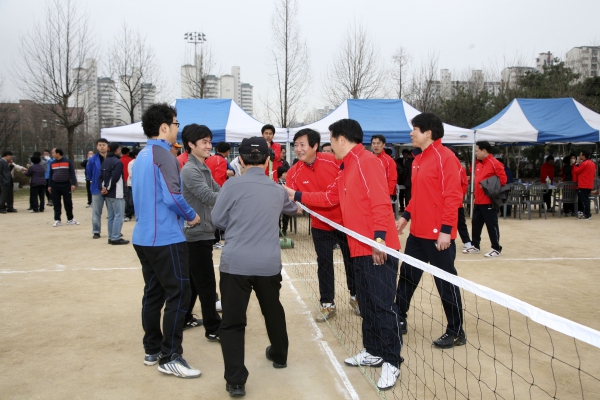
[179, 367]
[152, 359]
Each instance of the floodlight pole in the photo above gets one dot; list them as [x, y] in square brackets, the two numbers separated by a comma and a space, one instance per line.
[196, 38]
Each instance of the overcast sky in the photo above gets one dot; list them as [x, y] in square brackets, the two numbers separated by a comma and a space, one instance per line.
[466, 34]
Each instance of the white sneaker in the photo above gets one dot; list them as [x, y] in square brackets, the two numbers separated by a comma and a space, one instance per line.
[389, 376]
[492, 253]
[57, 223]
[218, 306]
[218, 246]
[365, 359]
[72, 222]
[127, 219]
[471, 250]
[179, 367]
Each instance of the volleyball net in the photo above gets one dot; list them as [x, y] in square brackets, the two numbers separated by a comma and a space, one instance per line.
[513, 351]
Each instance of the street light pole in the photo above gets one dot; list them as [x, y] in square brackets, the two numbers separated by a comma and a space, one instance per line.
[196, 38]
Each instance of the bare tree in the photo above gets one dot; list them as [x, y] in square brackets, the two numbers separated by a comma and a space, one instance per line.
[195, 77]
[356, 71]
[401, 58]
[134, 71]
[291, 66]
[424, 88]
[51, 72]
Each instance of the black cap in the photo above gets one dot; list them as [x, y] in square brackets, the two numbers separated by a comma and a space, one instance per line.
[254, 145]
[113, 146]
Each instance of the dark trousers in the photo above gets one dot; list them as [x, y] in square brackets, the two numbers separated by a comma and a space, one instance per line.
[404, 197]
[203, 284]
[166, 282]
[218, 235]
[324, 242]
[375, 291]
[7, 197]
[583, 196]
[284, 221]
[235, 294]
[48, 194]
[425, 250]
[88, 185]
[129, 209]
[548, 200]
[36, 197]
[463, 231]
[485, 214]
[62, 190]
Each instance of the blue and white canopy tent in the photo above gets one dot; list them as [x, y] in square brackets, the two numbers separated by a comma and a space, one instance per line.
[387, 117]
[530, 121]
[225, 118]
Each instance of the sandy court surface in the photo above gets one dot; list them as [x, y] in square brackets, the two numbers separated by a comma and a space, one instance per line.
[71, 312]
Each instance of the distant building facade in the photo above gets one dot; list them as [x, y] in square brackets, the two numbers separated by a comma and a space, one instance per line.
[584, 61]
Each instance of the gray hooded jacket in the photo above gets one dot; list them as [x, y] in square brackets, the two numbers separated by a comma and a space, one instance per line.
[200, 191]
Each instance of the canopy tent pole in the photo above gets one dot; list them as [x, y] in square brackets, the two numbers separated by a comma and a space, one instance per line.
[472, 174]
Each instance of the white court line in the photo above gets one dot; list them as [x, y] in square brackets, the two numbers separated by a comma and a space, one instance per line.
[530, 259]
[62, 268]
[322, 343]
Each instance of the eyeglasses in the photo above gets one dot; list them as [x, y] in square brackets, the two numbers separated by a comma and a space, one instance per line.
[176, 123]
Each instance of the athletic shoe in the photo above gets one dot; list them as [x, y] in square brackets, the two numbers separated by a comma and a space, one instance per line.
[72, 222]
[218, 246]
[213, 337]
[447, 341]
[328, 311]
[584, 218]
[29, 209]
[471, 250]
[11, 210]
[96, 236]
[275, 365]
[49, 203]
[403, 326]
[365, 359]
[33, 211]
[354, 305]
[465, 247]
[88, 206]
[192, 323]
[151, 359]
[492, 253]
[336, 246]
[389, 376]
[218, 306]
[127, 219]
[119, 241]
[57, 223]
[179, 367]
[2, 211]
[235, 390]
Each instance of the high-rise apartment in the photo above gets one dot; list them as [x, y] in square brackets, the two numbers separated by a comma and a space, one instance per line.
[584, 60]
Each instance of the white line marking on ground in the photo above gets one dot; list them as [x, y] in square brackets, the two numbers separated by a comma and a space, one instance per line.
[324, 345]
[531, 259]
[62, 268]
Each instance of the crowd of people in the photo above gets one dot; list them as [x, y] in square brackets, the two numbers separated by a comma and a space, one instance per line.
[186, 201]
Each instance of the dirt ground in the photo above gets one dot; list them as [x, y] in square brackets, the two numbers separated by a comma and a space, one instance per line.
[71, 312]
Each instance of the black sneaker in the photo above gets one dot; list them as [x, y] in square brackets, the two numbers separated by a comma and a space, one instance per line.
[235, 390]
[119, 241]
[403, 326]
[152, 359]
[447, 341]
[192, 323]
[275, 365]
[96, 236]
[213, 337]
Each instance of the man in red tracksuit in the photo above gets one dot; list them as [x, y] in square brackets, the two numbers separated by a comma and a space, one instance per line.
[391, 174]
[584, 172]
[362, 193]
[314, 172]
[436, 195]
[268, 132]
[218, 163]
[483, 212]
[463, 231]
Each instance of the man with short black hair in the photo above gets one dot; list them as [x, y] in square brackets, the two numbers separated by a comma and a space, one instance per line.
[62, 183]
[218, 163]
[112, 187]
[93, 170]
[268, 133]
[584, 172]
[362, 192]
[6, 184]
[248, 207]
[404, 179]
[389, 165]
[436, 195]
[160, 244]
[326, 148]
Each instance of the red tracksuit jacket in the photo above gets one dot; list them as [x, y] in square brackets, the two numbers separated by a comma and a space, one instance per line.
[436, 192]
[361, 191]
[485, 169]
[277, 163]
[391, 174]
[316, 178]
[218, 166]
[546, 171]
[584, 174]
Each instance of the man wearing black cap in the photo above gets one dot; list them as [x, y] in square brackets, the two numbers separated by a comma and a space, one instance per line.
[248, 208]
[112, 188]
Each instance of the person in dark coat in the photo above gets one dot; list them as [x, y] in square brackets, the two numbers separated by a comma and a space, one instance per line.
[37, 184]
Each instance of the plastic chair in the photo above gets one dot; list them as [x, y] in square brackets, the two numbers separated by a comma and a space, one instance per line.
[514, 198]
[566, 193]
[535, 196]
[594, 197]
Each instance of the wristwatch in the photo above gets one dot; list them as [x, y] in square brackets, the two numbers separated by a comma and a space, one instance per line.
[380, 240]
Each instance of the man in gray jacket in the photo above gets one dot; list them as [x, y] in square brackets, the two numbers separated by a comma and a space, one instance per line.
[248, 209]
[201, 192]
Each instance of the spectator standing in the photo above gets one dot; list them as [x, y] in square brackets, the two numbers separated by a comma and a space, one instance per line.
[6, 184]
[547, 173]
[248, 207]
[37, 184]
[326, 148]
[218, 163]
[362, 192]
[483, 211]
[405, 179]
[566, 174]
[462, 229]
[584, 171]
[129, 208]
[125, 160]
[93, 170]
[46, 160]
[237, 166]
[88, 179]
[159, 242]
[201, 191]
[282, 159]
[389, 165]
[112, 187]
[284, 220]
[62, 183]
[268, 133]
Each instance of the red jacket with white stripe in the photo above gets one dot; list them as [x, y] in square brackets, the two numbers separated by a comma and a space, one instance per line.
[361, 191]
[277, 163]
[584, 174]
[391, 173]
[316, 178]
[436, 192]
[218, 167]
[485, 169]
